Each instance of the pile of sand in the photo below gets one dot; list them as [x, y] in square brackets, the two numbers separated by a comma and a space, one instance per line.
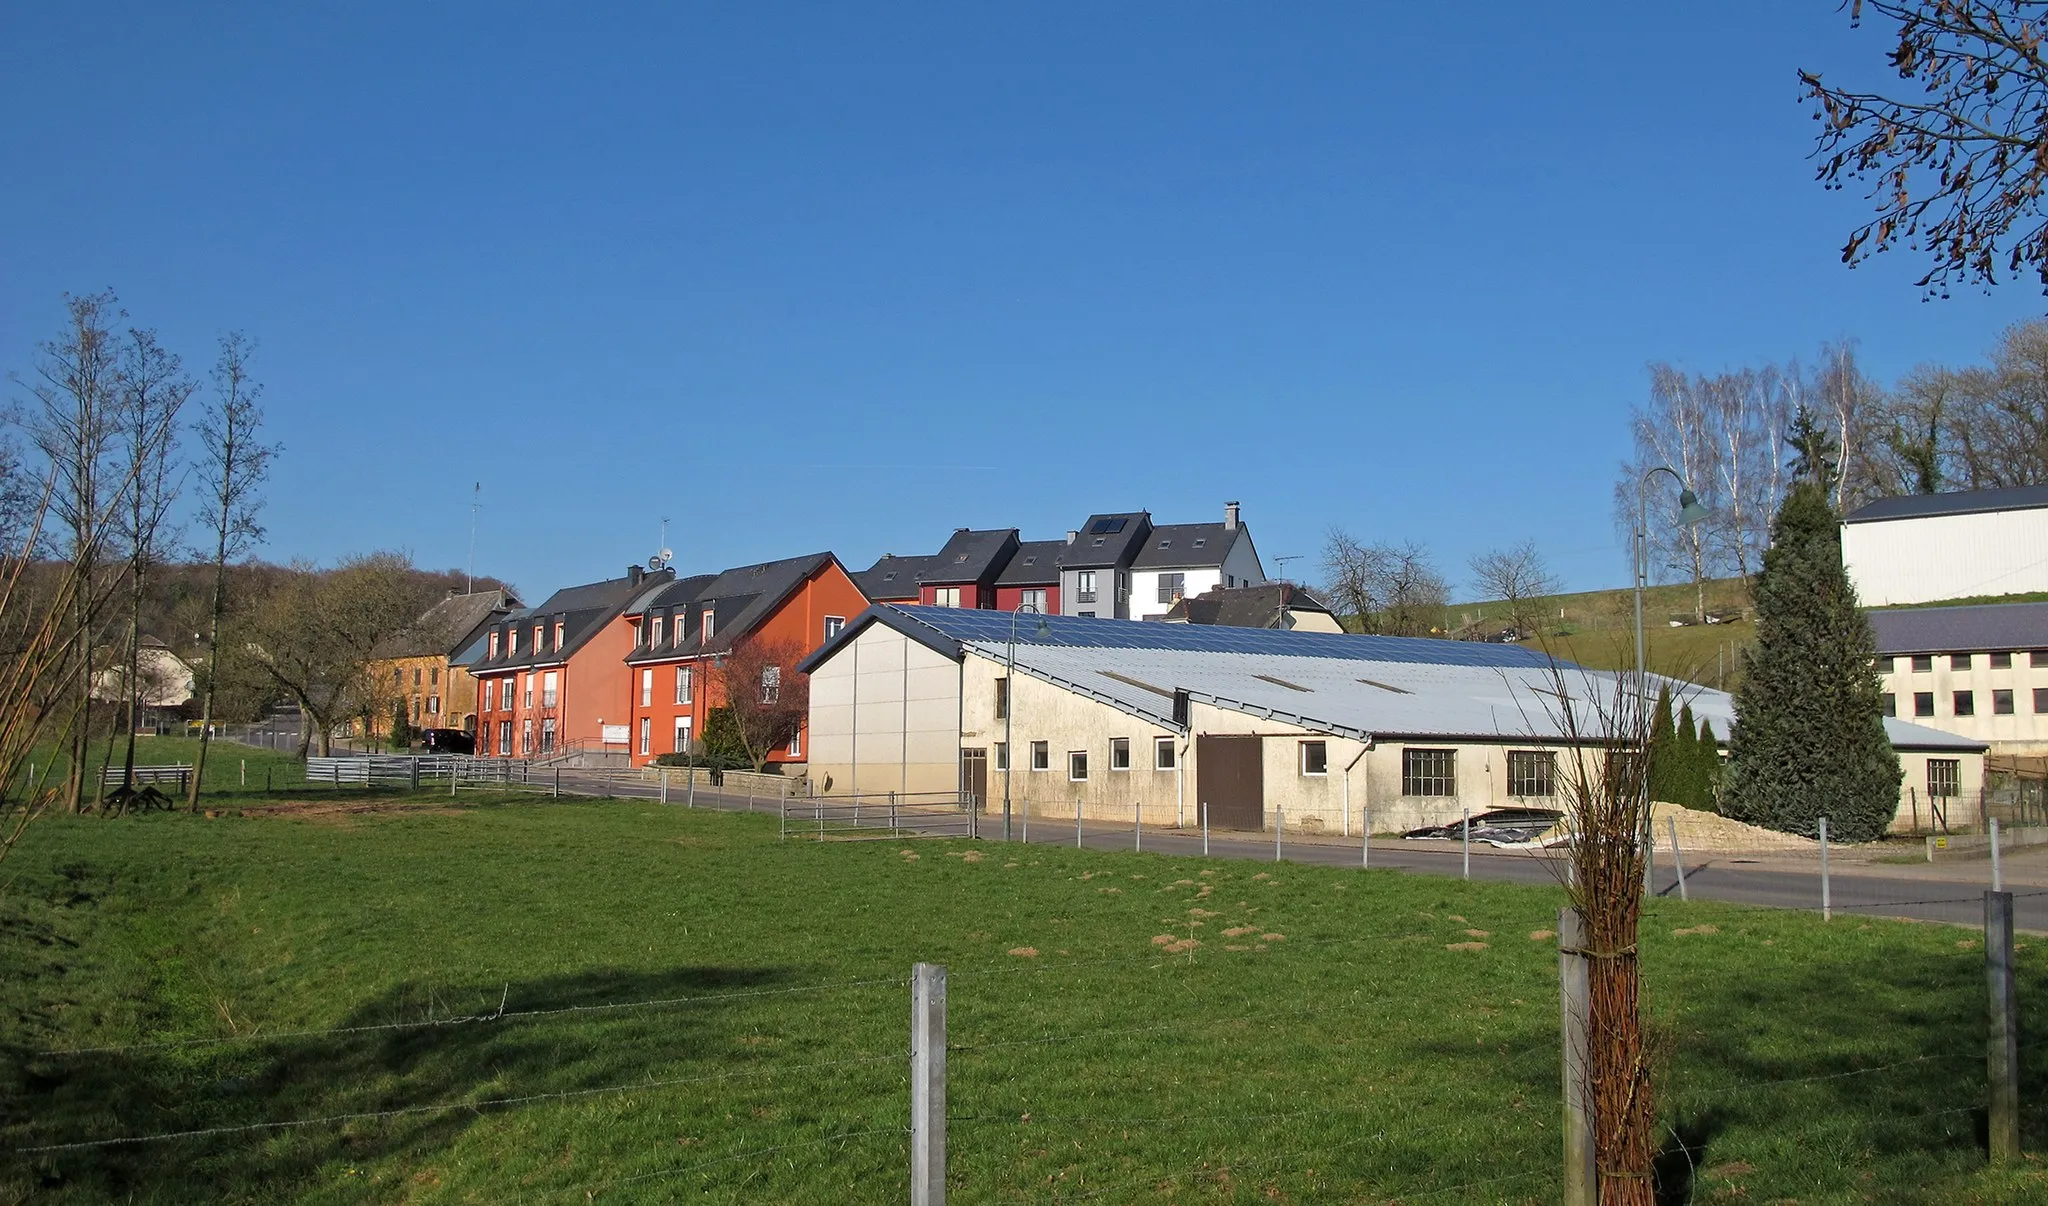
[1706, 831]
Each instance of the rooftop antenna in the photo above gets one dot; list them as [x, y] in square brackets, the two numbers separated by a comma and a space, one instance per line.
[475, 500]
[661, 559]
[1282, 563]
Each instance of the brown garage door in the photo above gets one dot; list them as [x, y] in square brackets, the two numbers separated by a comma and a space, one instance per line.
[1230, 779]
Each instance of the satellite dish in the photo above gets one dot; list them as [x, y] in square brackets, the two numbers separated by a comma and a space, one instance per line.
[654, 563]
[667, 555]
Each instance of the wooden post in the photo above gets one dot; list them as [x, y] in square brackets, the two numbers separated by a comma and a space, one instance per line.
[1677, 860]
[1827, 900]
[1575, 993]
[2002, 1073]
[245, 772]
[928, 1085]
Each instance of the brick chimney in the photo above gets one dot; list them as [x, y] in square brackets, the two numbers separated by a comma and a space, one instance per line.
[1230, 516]
[634, 573]
[1072, 535]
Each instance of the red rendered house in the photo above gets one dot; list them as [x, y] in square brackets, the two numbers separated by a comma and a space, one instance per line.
[552, 679]
[963, 574]
[678, 634]
[1032, 578]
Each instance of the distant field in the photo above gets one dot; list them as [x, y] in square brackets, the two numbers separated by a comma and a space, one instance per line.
[1596, 629]
[692, 1009]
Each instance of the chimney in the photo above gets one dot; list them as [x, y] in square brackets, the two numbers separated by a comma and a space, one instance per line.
[1072, 535]
[634, 573]
[1230, 517]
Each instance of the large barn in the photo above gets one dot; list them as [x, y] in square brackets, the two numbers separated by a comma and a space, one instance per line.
[1927, 548]
[1121, 719]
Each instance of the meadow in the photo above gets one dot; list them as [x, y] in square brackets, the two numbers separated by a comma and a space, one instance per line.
[532, 1001]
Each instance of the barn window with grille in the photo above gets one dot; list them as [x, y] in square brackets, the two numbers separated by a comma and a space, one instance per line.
[1943, 775]
[1532, 773]
[1429, 772]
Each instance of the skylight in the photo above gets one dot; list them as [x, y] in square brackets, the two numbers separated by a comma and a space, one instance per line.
[1032, 559]
[1166, 544]
[1199, 541]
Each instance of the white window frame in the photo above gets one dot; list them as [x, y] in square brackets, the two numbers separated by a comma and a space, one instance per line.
[1002, 751]
[1119, 745]
[1077, 760]
[1165, 754]
[528, 693]
[646, 688]
[945, 596]
[796, 744]
[550, 690]
[707, 625]
[1302, 759]
[1041, 756]
[684, 684]
[1033, 598]
[834, 625]
[682, 735]
[646, 735]
[654, 631]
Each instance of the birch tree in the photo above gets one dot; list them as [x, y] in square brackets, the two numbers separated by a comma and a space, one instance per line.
[233, 463]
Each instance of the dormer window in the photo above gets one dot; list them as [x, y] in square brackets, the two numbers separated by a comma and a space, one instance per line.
[561, 627]
[537, 630]
[677, 628]
[655, 639]
[511, 642]
[706, 624]
[494, 644]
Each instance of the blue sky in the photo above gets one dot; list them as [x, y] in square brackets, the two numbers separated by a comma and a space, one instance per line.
[846, 277]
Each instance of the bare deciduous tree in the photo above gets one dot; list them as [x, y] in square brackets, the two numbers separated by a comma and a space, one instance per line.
[768, 698]
[1394, 590]
[233, 461]
[316, 631]
[1517, 577]
[1956, 165]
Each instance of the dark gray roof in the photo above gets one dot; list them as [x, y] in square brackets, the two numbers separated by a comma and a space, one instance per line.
[1109, 540]
[583, 611]
[444, 629]
[972, 556]
[1960, 502]
[1035, 563]
[1187, 546]
[2007, 627]
[739, 599]
[895, 577]
[1245, 606]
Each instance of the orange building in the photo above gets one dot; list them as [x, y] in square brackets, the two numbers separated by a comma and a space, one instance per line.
[552, 679]
[679, 633]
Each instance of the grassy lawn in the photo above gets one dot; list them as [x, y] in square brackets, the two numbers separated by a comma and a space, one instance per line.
[234, 772]
[1336, 1036]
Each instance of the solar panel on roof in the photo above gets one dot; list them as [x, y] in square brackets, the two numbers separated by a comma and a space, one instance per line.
[1106, 527]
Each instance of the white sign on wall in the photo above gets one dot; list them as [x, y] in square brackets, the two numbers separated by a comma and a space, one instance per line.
[617, 734]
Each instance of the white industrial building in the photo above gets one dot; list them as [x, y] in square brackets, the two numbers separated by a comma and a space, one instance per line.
[1978, 671]
[1122, 720]
[1925, 548]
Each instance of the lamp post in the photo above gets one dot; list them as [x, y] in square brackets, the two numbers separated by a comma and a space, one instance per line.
[1690, 513]
[1010, 701]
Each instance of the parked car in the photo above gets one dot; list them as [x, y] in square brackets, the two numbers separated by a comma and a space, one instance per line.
[448, 741]
[1495, 827]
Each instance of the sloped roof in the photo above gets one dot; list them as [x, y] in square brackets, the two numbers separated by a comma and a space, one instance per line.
[2007, 627]
[1956, 502]
[583, 611]
[1108, 539]
[972, 556]
[1245, 606]
[1187, 546]
[894, 577]
[1367, 687]
[1035, 563]
[446, 627]
[739, 600]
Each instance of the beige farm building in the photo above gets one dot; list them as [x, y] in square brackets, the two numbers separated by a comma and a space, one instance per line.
[1120, 718]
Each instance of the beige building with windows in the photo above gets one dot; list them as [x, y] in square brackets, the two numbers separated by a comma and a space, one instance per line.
[1123, 720]
[1979, 672]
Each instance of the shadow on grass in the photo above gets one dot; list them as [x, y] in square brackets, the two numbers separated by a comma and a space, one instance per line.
[151, 1091]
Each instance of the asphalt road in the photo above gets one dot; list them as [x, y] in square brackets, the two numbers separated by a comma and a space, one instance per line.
[1724, 878]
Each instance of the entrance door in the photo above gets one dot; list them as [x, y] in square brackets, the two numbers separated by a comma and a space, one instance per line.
[1230, 777]
[974, 776]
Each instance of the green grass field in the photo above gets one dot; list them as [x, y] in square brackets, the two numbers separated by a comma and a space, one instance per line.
[1335, 1036]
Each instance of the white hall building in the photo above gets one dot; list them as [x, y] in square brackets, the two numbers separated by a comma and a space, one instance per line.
[1927, 548]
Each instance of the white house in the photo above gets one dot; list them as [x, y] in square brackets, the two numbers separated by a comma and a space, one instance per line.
[1121, 721]
[1924, 548]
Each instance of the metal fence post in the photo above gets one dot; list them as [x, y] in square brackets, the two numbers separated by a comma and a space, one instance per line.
[2002, 1072]
[892, 814]
[1365, 837]
[1677, 859]
[1575, 994]
[1827, 901]
[1279, 824]
[245, 772]
[1024, 803]
[819, 806]
[690, 788]
[928, 1085]
[1077, 822]
[1997, 872]
[1205, 829]
[784, 814]
[558, 782]
[1465, 843]
[664, 784]
[1137, 828]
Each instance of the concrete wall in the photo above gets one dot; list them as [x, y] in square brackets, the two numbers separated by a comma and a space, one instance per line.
[2024, 731]
[1937, 557]
[885, 716]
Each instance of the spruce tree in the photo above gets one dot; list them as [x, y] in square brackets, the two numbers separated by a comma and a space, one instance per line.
[1685, 760]
[1809, 738]
[1665, 771]
[1707, 767]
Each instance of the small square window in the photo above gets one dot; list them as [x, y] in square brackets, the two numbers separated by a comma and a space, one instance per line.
[2038, 658]
[1959, 661]
[2001, 661]
[1041, 759]
[1429, 772]
[1923, 663]
[1923, 703]
[1891, 704]
[1965, 703]
[1315, 757]
[1002, 756]
[1532, 773]
[1944, 777]
[1884, 665]
[2001, 703]
[2041, 700]
[1162, 753]
[833, 626]
[1077, 766]
[1119, 753]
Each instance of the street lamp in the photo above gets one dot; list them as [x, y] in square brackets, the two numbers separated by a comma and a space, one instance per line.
[1690, 513]
[1010, 700]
